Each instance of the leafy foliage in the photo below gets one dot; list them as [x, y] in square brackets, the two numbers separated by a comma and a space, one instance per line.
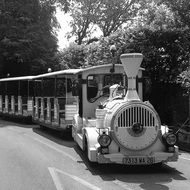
[63, 4]
[27, 40]
[181, 10]
[184, 80]
[82, 12]
[155, 16]
[165, 51]
[107, 15]
[112, 14]
[72, 57]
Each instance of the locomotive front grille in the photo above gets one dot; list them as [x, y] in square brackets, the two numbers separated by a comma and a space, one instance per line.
[136, 114]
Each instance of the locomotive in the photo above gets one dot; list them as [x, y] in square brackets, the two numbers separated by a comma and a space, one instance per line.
[124, 129]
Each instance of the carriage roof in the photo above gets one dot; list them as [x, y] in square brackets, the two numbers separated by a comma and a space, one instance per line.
[77, 71]
[17, 78]
[61, 72]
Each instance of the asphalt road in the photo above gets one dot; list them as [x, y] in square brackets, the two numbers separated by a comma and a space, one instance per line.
[39, 159]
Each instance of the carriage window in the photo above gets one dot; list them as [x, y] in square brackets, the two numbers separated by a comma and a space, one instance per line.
[23, 88]
[63, 86]
[38, 87]
[3, 88]
[69, 85]
[30, 88]
[48, 87]
[12, 88]
[92, 87]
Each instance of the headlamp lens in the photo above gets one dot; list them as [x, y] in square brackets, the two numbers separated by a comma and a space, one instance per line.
[171, 139]
[104, 140]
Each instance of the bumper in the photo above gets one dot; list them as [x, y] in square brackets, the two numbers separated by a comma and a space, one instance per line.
[156, 157]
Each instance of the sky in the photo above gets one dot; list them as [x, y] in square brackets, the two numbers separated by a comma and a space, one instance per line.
[63, 20]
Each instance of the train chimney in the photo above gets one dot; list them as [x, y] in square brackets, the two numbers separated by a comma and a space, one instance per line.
[131, 63]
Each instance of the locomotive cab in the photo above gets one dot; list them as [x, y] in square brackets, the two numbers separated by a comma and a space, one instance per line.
[123, 129]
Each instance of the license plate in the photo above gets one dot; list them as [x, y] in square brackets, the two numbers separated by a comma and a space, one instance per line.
[138, 160]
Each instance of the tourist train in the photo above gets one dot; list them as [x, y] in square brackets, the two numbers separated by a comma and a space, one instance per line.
[103, 108]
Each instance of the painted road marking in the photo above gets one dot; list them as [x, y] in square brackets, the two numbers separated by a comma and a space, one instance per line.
[55, 178]
[54, 171]
[184, 158]
[52, 147]
[121, 184]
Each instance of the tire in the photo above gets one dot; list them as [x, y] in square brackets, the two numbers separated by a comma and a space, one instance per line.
[42, 127]
[85, 149]
[90, 163]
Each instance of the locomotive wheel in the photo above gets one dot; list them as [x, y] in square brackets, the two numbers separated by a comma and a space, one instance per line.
[91, 164]
[85, 147]
[42, 127]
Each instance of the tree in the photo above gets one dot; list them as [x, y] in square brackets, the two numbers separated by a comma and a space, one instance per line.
[63, 4]
[72, 56]
[184, 79]
[112, 14]
[181, 10]
[98, 53]
[82, 12]
[107, 15]
[27, 40]
[164, 52]
[155, 15]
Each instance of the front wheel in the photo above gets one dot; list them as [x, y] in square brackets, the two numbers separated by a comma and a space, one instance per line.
[85, 149]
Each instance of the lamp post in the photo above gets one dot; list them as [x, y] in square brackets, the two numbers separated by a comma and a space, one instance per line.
[113, 52]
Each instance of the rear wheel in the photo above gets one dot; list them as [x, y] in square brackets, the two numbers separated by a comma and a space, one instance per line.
[42, 127]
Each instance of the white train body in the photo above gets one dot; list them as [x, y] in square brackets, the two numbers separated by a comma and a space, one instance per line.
[111, 127]
[125, 130]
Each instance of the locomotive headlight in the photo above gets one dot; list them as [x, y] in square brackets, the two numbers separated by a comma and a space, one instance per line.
[170, 139]
[104, 140]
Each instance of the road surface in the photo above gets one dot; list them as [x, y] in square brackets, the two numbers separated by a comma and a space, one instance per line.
[40, 159]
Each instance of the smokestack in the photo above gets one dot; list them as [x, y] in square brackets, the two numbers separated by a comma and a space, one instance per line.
[131, 63]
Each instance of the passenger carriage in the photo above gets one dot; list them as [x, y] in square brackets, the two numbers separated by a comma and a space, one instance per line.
[16, 97]
[113, 124]
[54, 104]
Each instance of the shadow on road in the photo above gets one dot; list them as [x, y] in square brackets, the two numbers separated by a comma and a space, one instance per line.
[146, 177]
[62, 138]
[5, 123]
